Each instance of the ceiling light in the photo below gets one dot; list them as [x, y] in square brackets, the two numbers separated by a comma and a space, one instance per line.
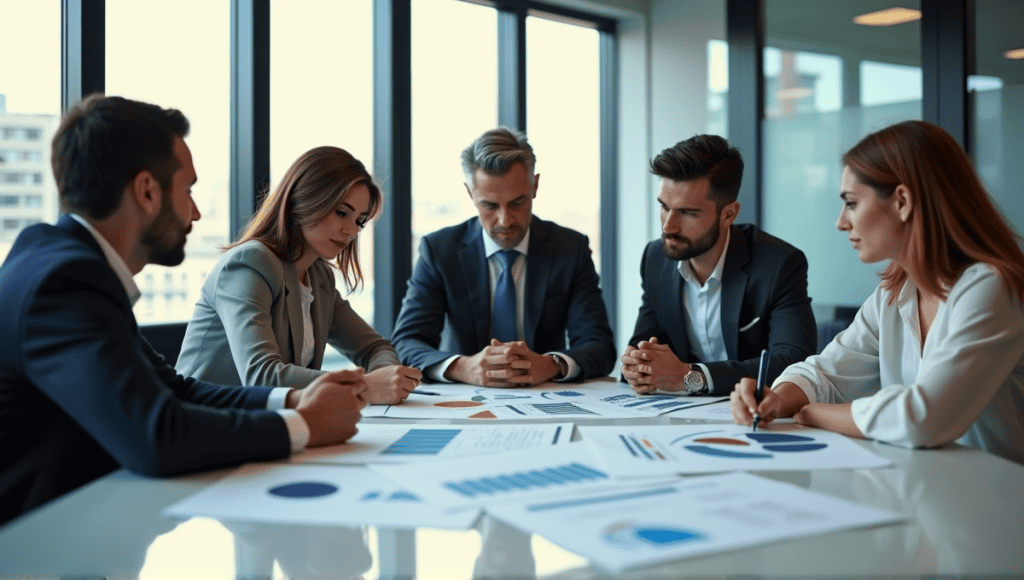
[1015, 54]
[888, 17]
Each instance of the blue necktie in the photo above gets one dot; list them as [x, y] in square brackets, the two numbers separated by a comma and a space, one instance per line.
[504, 316]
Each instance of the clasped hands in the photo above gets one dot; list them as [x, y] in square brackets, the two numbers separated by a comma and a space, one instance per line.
[503, 364]
[652, 366]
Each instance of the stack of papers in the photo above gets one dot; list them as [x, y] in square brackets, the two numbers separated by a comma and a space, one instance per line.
[616, 497]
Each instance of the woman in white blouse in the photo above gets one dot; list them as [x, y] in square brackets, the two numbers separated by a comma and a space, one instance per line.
[269, 307]
[936, 354]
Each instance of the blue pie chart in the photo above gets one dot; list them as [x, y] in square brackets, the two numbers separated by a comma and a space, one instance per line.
[303, 490]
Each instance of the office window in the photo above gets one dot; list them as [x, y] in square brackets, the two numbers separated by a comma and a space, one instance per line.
[828, 83]
[321, 93]
[718, 87]
[183, 63]
[563, 123]
[29, 112]
[995, 101]
[454, 100]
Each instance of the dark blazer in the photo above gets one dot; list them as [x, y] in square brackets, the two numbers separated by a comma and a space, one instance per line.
[450, 292]
[764, 278]
[82, 392]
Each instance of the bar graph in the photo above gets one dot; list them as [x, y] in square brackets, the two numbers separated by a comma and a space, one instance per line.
[422, 442]
[525, 480]
[561, 409]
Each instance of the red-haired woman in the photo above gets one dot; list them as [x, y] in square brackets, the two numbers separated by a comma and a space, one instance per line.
[936, 354]
[269, 307]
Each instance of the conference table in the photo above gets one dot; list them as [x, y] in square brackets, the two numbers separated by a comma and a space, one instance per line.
[962, 509]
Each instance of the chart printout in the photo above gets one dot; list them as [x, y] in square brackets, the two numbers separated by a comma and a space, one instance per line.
[387, 443]
[595, 399]
[325, 495]
[626, 529]
[637, 451]
[481, 480]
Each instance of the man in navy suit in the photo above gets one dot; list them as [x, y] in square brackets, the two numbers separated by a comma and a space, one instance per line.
[492, 299]
[714, 293]
[81, 391]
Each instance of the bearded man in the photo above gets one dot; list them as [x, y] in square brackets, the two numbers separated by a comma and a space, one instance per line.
[714, 293]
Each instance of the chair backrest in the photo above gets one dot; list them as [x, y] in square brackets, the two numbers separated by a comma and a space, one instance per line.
[842, 317]
[166, 338]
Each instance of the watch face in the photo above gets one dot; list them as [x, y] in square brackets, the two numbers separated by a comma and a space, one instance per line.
[694, 382]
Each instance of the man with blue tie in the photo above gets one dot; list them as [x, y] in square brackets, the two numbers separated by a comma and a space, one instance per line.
[715, 293]
[491, 300]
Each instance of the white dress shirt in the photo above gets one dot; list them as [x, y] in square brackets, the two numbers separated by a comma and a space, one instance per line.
[518, 272]
[703, 307]
[966, 384]
[298, 430]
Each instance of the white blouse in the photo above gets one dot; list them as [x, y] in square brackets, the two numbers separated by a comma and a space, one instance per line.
[965, 385]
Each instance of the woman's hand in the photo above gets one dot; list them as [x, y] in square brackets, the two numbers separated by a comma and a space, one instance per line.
[783, 401]
[391, 385]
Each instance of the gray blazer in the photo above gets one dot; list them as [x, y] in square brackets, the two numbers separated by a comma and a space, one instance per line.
[247, 325]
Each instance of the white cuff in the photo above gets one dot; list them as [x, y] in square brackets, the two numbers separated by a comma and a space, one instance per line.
[278, 398]
[298, 430]
[436, 371]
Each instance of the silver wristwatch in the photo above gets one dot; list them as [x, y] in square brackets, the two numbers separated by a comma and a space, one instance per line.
[694, 381]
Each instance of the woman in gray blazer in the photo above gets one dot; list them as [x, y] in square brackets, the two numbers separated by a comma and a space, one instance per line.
[269, 307]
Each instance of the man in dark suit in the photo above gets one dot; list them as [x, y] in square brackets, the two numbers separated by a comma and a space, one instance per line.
[505, 301]
[81, 391]
[714, 293]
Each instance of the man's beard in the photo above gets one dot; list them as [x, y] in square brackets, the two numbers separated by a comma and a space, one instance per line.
[165, 237]
[691, 249]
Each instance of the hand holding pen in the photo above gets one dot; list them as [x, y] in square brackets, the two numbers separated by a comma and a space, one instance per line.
[762, 375]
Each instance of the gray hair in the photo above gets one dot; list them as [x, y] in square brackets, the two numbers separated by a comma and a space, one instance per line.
[495, 152]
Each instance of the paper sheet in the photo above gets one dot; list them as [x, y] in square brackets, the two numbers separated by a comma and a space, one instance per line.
[595, 399]
[476, 481]
[638, 451]
[317, 495]
[404, 443]
[629, 528]
[717, 411]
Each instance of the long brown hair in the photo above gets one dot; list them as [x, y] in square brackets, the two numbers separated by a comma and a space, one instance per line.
[953, 223]
[312, 188]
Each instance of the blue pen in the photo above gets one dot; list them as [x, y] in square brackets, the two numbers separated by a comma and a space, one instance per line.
[759, 392]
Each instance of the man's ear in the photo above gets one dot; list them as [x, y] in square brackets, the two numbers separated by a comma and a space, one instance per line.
[729, 213]
[145, 192]
[536, 184]
[903, 202]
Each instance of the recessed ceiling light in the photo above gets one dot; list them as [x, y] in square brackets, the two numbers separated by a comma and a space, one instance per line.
[888, 17]
[1015, 54]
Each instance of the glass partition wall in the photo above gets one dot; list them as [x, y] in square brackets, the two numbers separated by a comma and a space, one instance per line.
[829, 81]
[995, 101]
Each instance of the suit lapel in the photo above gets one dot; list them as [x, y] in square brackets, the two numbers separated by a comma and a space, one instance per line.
[293, 305]
[538, 271]
[321, 312]
[734, 285]
[675, 325]
[478, 286]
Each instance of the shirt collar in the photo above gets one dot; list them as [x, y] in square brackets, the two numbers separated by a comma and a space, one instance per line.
[114, 259]
[491, 247]
[716, 274]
